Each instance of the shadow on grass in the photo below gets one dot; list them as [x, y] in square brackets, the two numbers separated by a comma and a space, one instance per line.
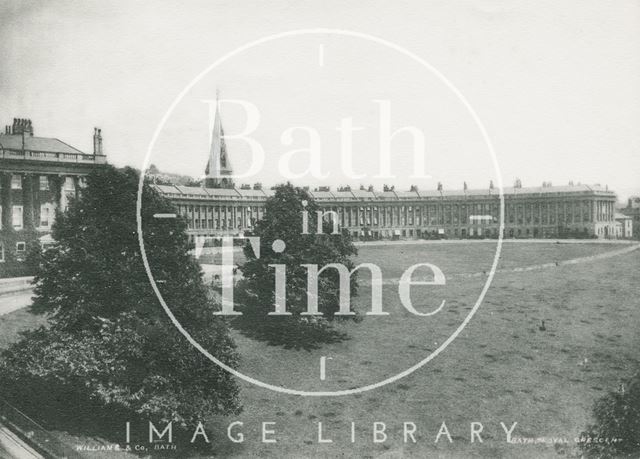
[290, 332]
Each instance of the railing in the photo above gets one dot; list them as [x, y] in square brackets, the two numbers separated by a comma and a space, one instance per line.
[79, 158]
[34, 434]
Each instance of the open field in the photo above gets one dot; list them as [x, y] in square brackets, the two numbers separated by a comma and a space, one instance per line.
[501, 368]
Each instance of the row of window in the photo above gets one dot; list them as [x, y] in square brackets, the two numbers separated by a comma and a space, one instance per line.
[537, 213]
[224, 223]
[43, 182]
[463, 232]
[17, 216]
[454, 214]
[219, 217]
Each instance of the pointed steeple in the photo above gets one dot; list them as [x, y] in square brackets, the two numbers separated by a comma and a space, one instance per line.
[218, 167]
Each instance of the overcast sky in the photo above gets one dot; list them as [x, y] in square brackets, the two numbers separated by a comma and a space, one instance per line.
[556, 84]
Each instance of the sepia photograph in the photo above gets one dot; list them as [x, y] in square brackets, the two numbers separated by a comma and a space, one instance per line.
[319, 229]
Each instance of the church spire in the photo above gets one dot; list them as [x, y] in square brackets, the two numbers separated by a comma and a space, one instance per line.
[218, 167]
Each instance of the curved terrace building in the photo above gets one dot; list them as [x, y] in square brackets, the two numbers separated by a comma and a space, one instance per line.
[530, 212]
[220, 208]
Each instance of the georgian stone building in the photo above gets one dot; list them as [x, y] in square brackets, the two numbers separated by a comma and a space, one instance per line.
[219, 208]
[530, 212]
[633, 211]
[37, 176]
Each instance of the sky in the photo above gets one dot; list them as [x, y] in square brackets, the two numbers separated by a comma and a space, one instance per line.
[555, 84]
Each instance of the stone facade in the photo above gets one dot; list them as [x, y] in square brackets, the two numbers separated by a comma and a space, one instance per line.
[541, 212]
[624, 226]
[38, 175]
[633, 210]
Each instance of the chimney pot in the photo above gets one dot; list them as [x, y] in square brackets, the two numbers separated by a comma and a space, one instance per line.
[97, 141]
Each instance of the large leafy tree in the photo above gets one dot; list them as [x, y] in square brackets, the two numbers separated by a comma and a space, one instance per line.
[109, 350]
[283, 220]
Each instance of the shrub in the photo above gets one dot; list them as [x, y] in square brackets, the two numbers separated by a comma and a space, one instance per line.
[616, 432]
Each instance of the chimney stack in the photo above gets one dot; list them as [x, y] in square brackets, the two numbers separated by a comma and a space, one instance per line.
[97, 141]
[22, 126]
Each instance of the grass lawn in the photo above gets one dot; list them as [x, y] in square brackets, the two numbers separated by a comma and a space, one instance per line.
[15, 322]
[502, 367]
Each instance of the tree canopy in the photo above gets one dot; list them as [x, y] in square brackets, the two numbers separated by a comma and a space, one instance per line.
[283, 220]
[109, 347]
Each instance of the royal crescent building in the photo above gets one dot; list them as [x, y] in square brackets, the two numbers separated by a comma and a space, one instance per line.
[220, 208]
[530, 212]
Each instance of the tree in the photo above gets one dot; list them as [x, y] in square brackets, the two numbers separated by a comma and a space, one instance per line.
[109, 350]
[283, 220]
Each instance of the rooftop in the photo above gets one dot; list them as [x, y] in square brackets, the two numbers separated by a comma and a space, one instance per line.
[43, 144]
[362, 195]
[19, 143]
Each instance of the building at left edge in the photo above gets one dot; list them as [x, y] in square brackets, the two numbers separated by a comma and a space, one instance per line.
[38, 175]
